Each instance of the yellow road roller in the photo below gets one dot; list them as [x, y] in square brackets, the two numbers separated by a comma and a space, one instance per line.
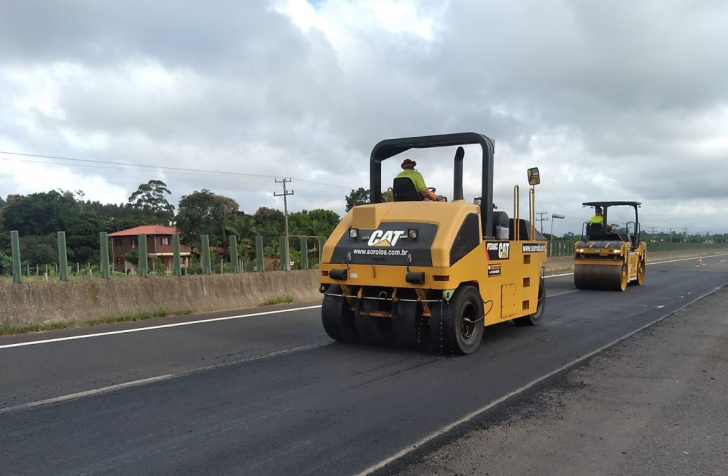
[432, 274]
[608, 257]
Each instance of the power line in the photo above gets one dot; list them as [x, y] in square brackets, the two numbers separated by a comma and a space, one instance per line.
[122, 166]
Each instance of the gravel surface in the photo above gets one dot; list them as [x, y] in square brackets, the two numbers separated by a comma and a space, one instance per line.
[655, 404]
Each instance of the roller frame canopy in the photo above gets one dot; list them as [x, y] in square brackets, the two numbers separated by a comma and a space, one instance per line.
[391, 147]
[617, 203]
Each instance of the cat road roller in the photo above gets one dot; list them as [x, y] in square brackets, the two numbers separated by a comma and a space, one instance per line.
[432, 274]
[610, 256]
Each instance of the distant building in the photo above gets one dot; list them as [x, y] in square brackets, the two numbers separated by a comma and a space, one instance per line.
[159, 245]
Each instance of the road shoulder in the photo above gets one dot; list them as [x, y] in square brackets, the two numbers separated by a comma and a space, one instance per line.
[652, 405]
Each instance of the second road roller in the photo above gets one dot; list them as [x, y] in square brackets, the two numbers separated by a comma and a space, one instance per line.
[608, 257]
[432, 274]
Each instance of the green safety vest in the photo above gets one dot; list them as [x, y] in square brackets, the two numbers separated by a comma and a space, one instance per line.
[416, 178]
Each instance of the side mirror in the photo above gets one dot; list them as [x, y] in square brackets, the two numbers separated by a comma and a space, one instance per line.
[533, 176]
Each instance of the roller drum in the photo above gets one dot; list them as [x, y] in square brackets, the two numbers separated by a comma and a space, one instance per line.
[608, 277]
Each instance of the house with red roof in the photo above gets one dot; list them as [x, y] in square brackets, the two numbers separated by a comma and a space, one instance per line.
[159, 245]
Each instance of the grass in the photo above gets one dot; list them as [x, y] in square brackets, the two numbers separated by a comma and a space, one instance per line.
[9, 329]
[130, 317]
[561, 270]
[285, 299]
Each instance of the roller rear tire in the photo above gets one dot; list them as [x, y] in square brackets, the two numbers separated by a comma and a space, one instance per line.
[535, 318]
[337, 317]
[457, 326]
[374, 330]
[408, 326]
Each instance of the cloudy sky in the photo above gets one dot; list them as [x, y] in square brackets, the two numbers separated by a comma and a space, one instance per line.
[617, 100]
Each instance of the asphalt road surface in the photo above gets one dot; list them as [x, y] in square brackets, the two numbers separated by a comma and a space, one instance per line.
[268, 392]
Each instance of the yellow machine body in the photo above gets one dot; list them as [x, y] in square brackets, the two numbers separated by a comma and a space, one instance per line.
[506, 273]
[431, 273]
[607, 258]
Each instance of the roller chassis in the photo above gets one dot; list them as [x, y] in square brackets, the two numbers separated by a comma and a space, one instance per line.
[450, 321]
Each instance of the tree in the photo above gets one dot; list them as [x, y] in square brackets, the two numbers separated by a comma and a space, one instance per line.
[82, 237]
[39, 213]
[132, 257]
[357, 197]
[228, 213]
[204, 213]
[150, 199]
[6, 262]
[243, 227]
[38, 250]
[317, 222]
[269, 222]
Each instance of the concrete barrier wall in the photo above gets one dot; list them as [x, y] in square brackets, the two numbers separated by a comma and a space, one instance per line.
[81, 301]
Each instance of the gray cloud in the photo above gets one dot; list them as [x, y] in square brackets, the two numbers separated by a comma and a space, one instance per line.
[612, 100]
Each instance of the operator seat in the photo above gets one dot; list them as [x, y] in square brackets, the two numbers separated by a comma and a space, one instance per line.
[405, 191]
[594, 230]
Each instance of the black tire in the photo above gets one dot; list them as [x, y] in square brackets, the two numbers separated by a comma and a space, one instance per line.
[370, 328]
[337, 317]
[408, 326]
[374, 330]
[535, 318]
[457, 326]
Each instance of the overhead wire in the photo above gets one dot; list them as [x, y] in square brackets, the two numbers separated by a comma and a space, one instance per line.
[122, 165]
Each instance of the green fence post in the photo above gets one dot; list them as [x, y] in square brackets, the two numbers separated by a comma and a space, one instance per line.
[104, 241]
[259, 253]
[234, 254]
[175, 255]
[143, 266]
[304, 253]
[283, 252]
[205, 254]
[62, 257]
[17, 269]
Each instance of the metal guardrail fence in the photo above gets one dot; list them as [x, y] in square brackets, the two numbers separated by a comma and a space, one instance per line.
[565, 247]
[265, 259]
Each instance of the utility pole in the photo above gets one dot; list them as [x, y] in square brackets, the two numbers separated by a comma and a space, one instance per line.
[542, 219]
[670, 229]
[554, 216]
[685, 232]
[652, 232]
[285, 194]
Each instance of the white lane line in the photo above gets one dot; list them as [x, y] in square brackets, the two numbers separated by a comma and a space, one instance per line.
[561, 294]
[158, 378]
[478, 412]
[557, 275]
[163, 326]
